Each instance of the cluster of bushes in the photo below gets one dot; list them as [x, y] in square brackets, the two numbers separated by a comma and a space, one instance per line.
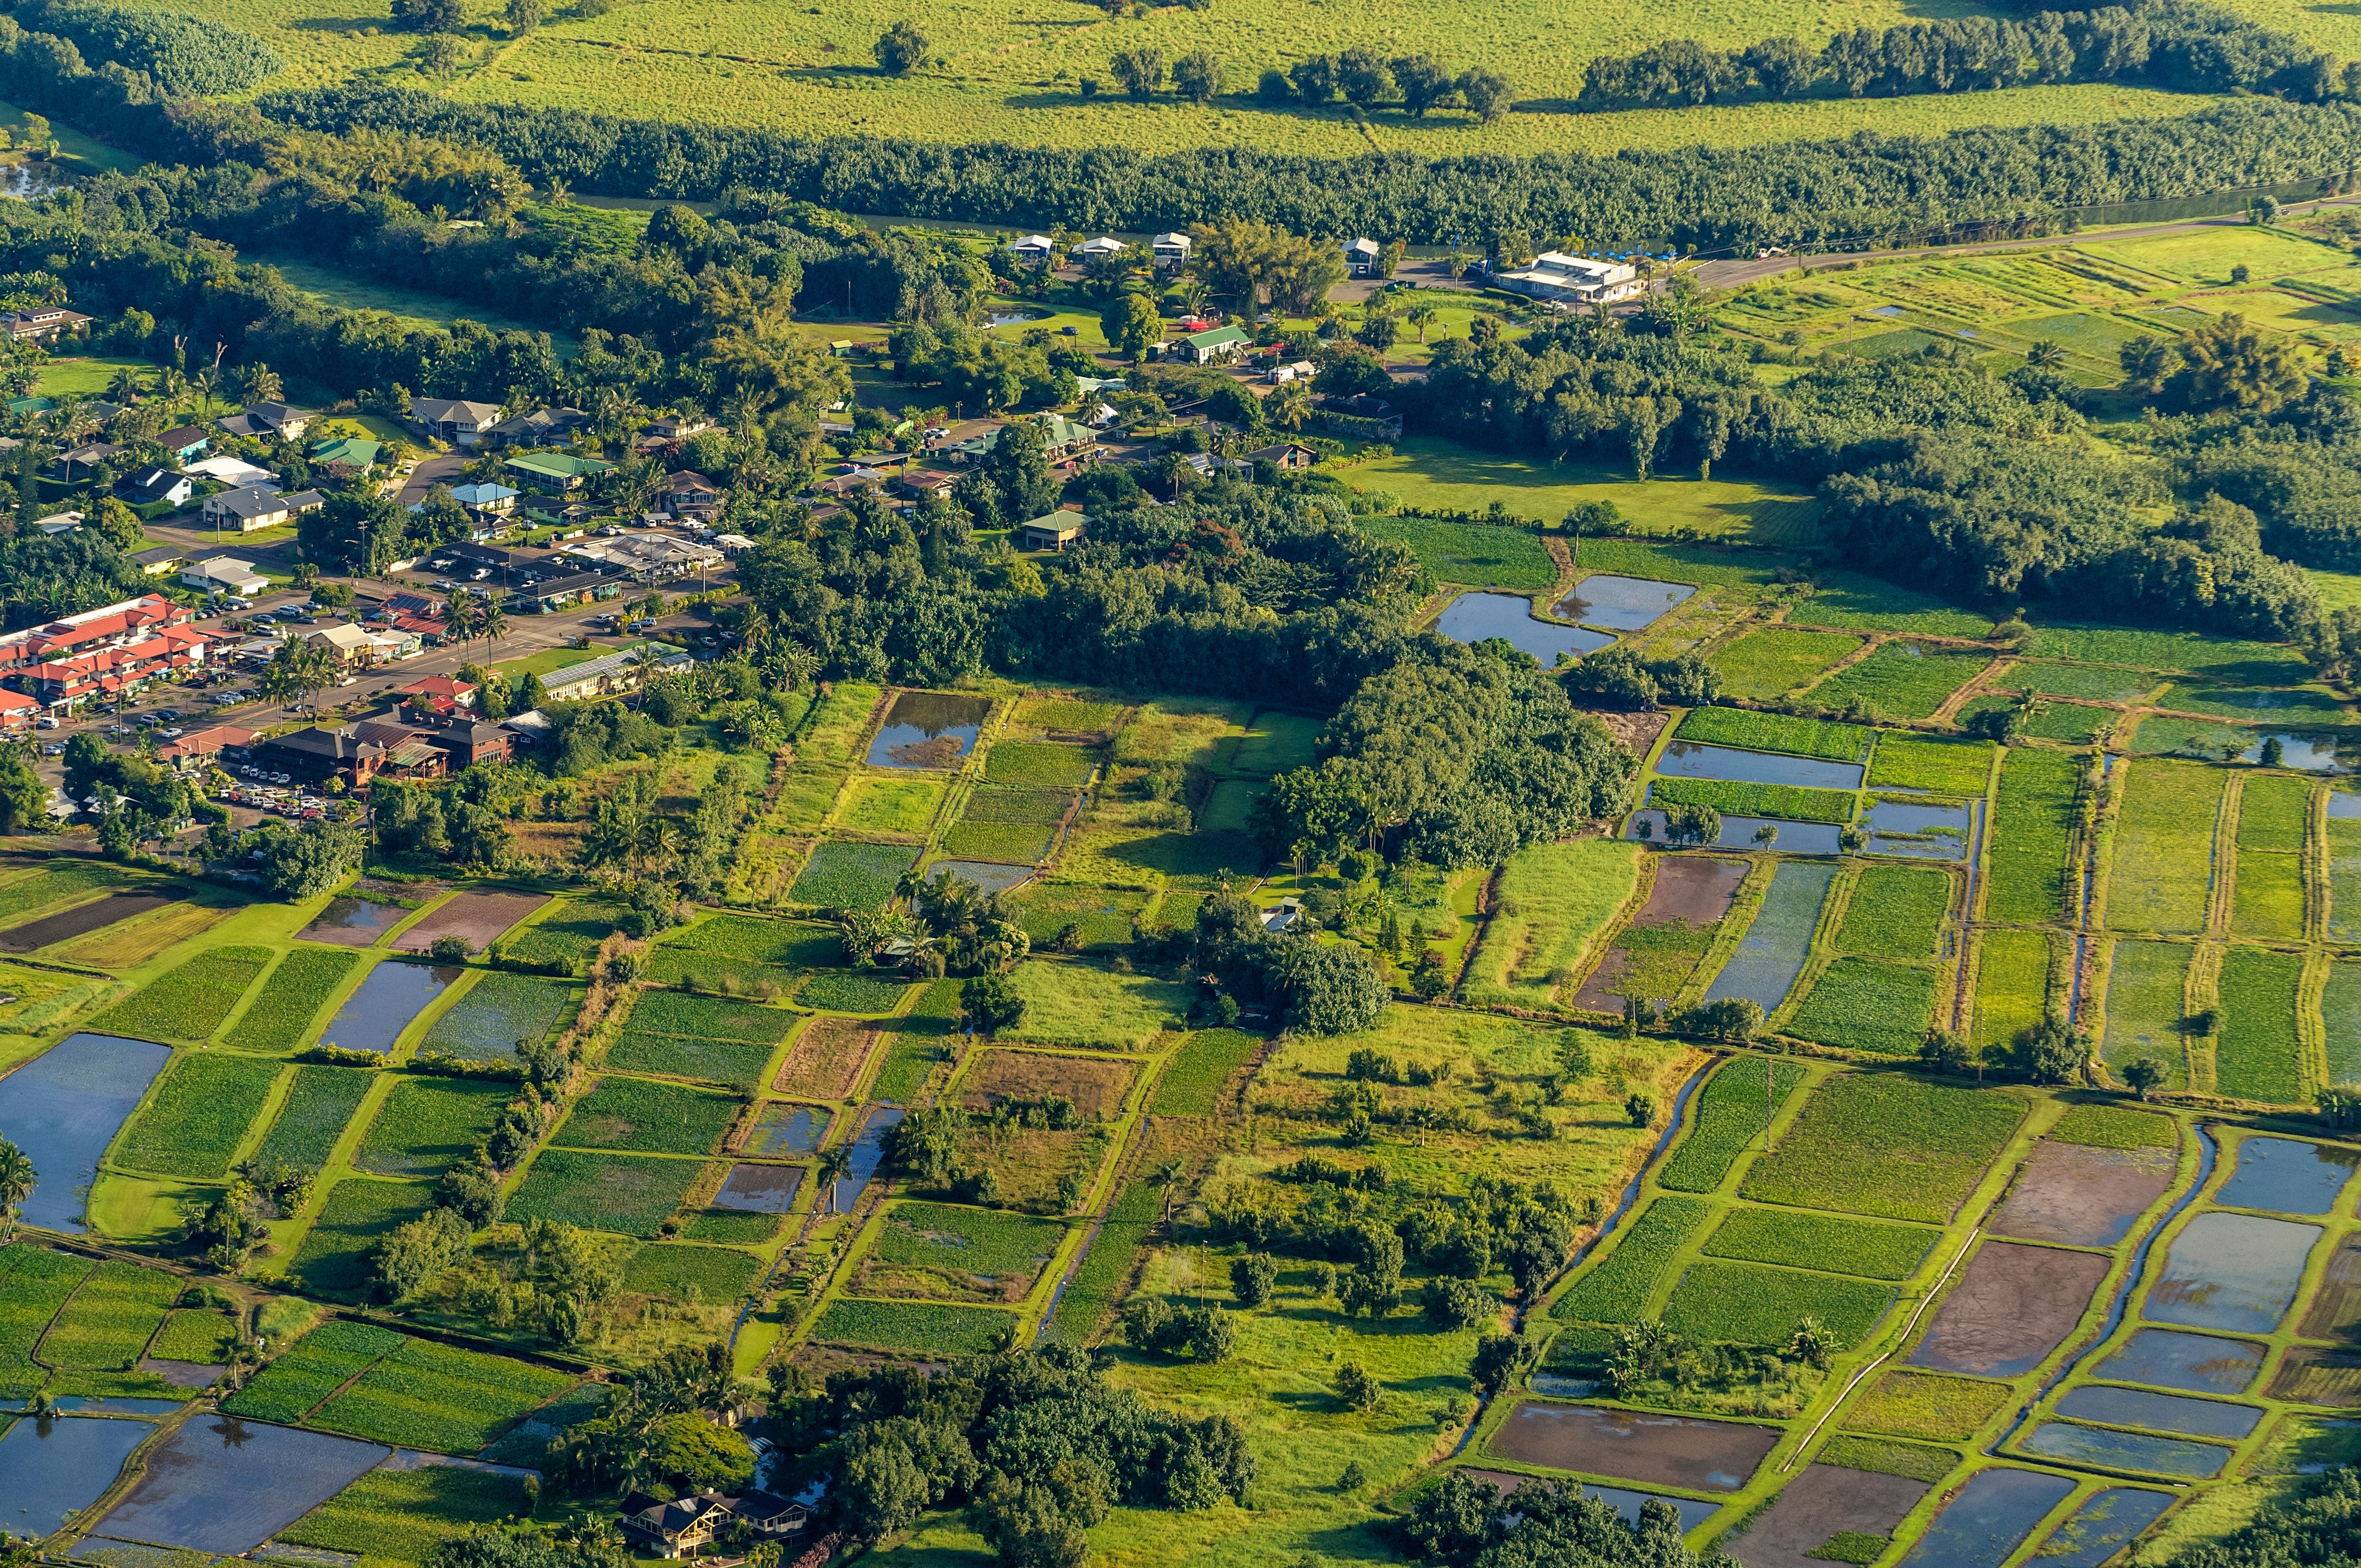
[1367, 79]
[185, 56]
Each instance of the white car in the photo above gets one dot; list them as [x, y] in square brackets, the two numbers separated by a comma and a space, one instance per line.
[45, 722]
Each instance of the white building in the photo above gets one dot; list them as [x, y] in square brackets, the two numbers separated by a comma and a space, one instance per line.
[226, 574]
[1581, 280]
[1103, 246]
[1364, 258]
[1172, 251]
[1034, 250]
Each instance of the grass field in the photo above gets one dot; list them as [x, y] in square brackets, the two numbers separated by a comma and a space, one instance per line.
[1825, 1241]
[1750, 730]
[434, 1397]
[1897, 912]
[1070, 1004]
[712, 1018]
[1617, 1288]
[2340, 1012]
[1946, 767]
[187, 1003]
[1747, 1303]
[1039, 764]
[282, 1015]
[198, 1111]
[2032, 826]
[954, 1247]
[2163, 857]
[2267, 900]
[918, 1042]
[1103, 914]
[1272, 743]
[1481, 554]
[2257, 1055]
[2274, 812]
[2069, 722]
[1554, 901]
[1729, 1113]
[1789, 803]
[699, 1274]
[647, 1117]
[1886, 1146]
[1906, 1403]
[1900, 680]
[204, 1338]
[626, 1193]
[2012, 985]
[1867, 1005]
[1192, 1084]
[1444, 475]
[874, 804]
[2095, 682]
[1774, 660]
[428, 1124]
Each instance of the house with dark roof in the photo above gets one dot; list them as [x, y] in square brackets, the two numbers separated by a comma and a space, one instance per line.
[42, 324]
[686, 1525]
[185, 442]
[157, 562]
[269, 422]
[453, 420]
[541, 427]
[81, 462]
[319, 754]
[150, 485]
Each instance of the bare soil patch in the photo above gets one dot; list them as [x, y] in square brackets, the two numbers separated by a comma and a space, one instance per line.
[1825, 1501]
[1637, 730]
[182, 1373]
[478, 918]
[1598, 993]
[2012, 1307]
[1095, 1087]
[2335, 1309]
[2082, 1197]
[826, 1060]
[79, 921]
[1697, 890]
[1635, 1445]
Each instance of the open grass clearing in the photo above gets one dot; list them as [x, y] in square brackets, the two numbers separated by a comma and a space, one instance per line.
[1073, 1002]
[1554, 901]
[1771, 661]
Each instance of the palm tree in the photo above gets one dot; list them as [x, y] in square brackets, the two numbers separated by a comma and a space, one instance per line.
[2046, 354]
[17, 1182]
[207, 382]
[496, 623]
[1168, 1178]
[1420, 317]
[831, 1167]
[123, 389]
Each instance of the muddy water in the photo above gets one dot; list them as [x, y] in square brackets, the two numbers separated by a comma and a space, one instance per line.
[2082, 1197]
[2234, 1272]
[373, 1017]
[760, 1188]
[2202, 1364]
[2127, 1451]
[1772, 953]
[2012, 1307]
[1739, 833]
[1826, 1500]
[788, 1129]
[929, 730]
[222, 1484]
[1988, 1519]
[1633, 1445]
[354, 922]
[2105, 1523]
[2159, 1413]
[1690, 760]
[1626, 604]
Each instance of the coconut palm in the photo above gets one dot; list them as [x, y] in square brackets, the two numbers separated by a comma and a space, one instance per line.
[496, 623]
[123, 388]
[2046, 354]
[832, 1165]
[1168, 1179]
[17, 1182]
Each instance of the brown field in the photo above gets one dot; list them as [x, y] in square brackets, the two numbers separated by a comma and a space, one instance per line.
[2319, 1377]
[1697, 890]
[478, 918]
[826, 1058]
[1826, 1500]
[128, 944]
[2082, 1197]
[2012, 1308]
[79, 921]
[2335, 1309]
[1095, 1087]
[1635, 1445]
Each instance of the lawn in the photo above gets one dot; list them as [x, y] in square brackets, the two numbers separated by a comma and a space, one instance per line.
[1104, 915]
[647, 1117]
[1444, 475]
[930, 1328]
[1946, 767]
[1771, 661]
[1867, 1005]
[428, 1124]
[701, 1275]
[1750, 730]
[1901, 680]
[1887, 1147]
[840, 991]
[1906, 1403]
[1079, 1004]
[302, 984]
[1193, 1079]
[404, 1515]
[1478, 554]
[1554, 901]
[1789, 803]
[844, 874]
[2257, 1054]
[2032, 825]
[2012, 985]
[500, 1015]
[187, 1003]
[436, 1398]
[1825, 1241]
[1039, 764]
[1727, 1116]
[630, 1194]
[1897, 912]
[334, 1258]
[1274, 743]
[1747, 1303]
[197, 1114]
[298, 1378]
[106, 1326]
[875, 805]
[1617, 1288]
[2163, 859]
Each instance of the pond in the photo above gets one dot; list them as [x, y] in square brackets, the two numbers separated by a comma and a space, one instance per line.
[987, 876]
[2305, 754]
[1688, 760]
[53, 1465]
[1694, 1511]
[2199, 1363]
[2234, 1272]
[788, 1129]
[1472, 618]
[1925, 830]
[226, 1485]
[64, 1107]
[1009, 318]
[1988, 1519]
[1635, 1445]
[2343, 804]
[353, 922]
[1626, 604]
[2287, 1176]
[27, 182]
[929, 730]
[1772, 951]
[1739, 833]
[2099, 1530]
[373, 1017]
[2127, 1451]
[2163, 1412]
[760, 1188]
[867, 1154]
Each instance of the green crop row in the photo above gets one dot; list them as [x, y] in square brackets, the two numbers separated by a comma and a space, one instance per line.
[1755, 731]
[1867, 1005]
[975, 1241]
[1790, 803]
[2032, 823]
[2012, 985]
[735, 1064]
[648, 1117]
[1886, 1145]
[433, 1397]
[629, 1194]
[2092, 682]
[299, 1378]
[428, 1124]
[789, 942]
[2146, 982]
[1907, 1403]
[569, 935]
[1774, 660]
[1728, 1113]
[109, 1321]
[2115, 1127]
[930, 1328]
[187, 1003]
[501, 1015]
[334, 1258]
[1014, 842]
[709, 1018]
[844, 874]
[318, 1107]
[710, 1275]
[1901, 680]
[1747, 1303]
[1828, 1242]
[1099, 1280]
[995, 804]
[1616, 1289]
[204, 1338]
[2274, 812]
[2267, 899]
[1946, 767]
[2257, 1054]
[1897, 912]
[405, 1516]
[34, 1283]
[298, 989]
[839, 991]
[196, 1116]
[1193, 1080]
[55, 885]
[1039, 764]
[1104, 914]
[2163, 851]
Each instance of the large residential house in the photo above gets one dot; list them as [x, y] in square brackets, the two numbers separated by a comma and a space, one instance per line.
[271, 422]
[256, 506]
[318, 754]
[686, 1525]
[541, 427]
[1033, 250]
[453, 420]
[1364, 258]
[79, 463]
[349, 643]
[1055, 531]
[42, 324]
[100, 652]
[185, 442]
[1172, 251]
[150, 485]
[1575, 280]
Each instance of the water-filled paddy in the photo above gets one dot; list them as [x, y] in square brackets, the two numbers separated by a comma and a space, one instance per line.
[1737, 833]
[373, 1017]
[353, 922]
[2105, 1523]
[2127, 1451]
[867, 1154]
[2081, 1196]
[64, 1107]
[988, 876]
[1626, 604]
[1988, 1519]
[1473, 618]
[2160, 1412]
[1635, 1445]
[1772, 953]
[2305, 754]
[53, 1465]
[2287, 1176]
[223, 1484]
[2201, 1363]
[760, 1188]
[2235, 1272]
[929, 730]
[1692, 760]
[788, 1129]
[1925, 831]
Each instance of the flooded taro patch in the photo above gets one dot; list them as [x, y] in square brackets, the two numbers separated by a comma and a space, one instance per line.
[1694, 759]
[2203, 1364]
[223, 1484]
[64, 1107]
[2080, 1196]
[788, 1129]
[929, 730]
[374, 1016]
[2127, 1451]
[1694, 1511]
[1988, 1519]
[1635, 1445]
[353, 922]
[2012, 1307]
[1921, 829]
[1824, 1502]
[2235, 1272]
[1625, 604]
[53, 1465]
[760, 1188]
[2305, 754]
[1739, 833]
[867, 1154]
[986, 876]
[2105, 1523]
[1772, 953]
[2159, 1413]
[1475, 617]
[2287, 1176]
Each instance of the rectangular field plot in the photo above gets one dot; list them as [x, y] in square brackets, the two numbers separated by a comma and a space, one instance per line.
[1193, 1081]
[1633, 1445]
[2162, 870]
[1039, 764]
[2256, 1052]
[2340, 1013]
[107, 1324]
[2266, 898]
[709, 1018]
[1662, 947]
[1886, 1146]
[1825, 1241]
[334, 1258]
[1901, 680]
[223, 1486]
[1101, 916]
[501, 1017]
[1752, 731]
[2009, 1309]
[1895, 912]
[2274, 813]
[630, 1194]
[1181, 730]
[2093, 682]
[938, 1252]
[1747, 1303]
[2032, 822]
[282, 1015]
[569, 935]
[734, 1064]
[187, 1003]
[1483, 554]
[1274, 743]
[827, 1059]
[927, 1327]
[1554, 900]
[1079, 1004]
[2186, 653]
[1929, 1405]
[1777, 944]
[2146, 984]
[199, 1111]
[648, 1117]
[299, 1377]
[319, 1106]
[403, 1515]
[475, 918]
[1095, 1085]
[845, 874]
[1771, 661]
[1946, 767]
[2012, 985]
[1731, 1113]
[428, 1124]
[38, 1281]
[1867, 1005]
[434, 1397]
[710, 1275]
[1617, 1288]
[1787, 803]
[2344, 866]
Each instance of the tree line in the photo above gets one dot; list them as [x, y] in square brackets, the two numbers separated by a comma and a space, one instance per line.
[183, 54]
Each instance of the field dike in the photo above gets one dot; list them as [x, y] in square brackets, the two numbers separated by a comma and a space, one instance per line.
[2222, 895]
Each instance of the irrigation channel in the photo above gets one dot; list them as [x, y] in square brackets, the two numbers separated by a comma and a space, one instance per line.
[1623, 1207]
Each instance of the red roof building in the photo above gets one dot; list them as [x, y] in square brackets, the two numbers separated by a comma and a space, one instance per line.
[444, 689]
[101, 652]
[204, 745]
[17, 711]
